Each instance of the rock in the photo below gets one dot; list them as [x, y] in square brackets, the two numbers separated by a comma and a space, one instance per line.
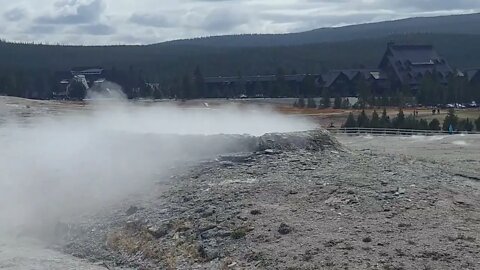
[237, 158]
[242, 218]
[132, 210]
[158, 231]
[207, 227]
[233, 264]
[208, 253]
[269, 152]
[134, 225]
[210, 211]
[462, 200]
[284, 229]
[255, 212]
[227, 164]
[183, 226]
[367, 239]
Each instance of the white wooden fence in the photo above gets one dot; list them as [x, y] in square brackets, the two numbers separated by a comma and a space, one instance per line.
[393, 132]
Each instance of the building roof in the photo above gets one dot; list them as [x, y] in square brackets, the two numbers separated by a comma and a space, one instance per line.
[257, 78]
[80, 69]
[472, 73]
[351, 74]
[412, 62]
[87, 70]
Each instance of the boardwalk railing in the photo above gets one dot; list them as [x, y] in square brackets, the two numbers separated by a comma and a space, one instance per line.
[393, 131]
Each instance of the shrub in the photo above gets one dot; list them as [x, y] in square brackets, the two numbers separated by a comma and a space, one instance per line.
[434, 124]
[477, 123]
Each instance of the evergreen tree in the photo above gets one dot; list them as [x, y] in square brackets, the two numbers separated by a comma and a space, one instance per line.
[325, 101]
[186, 88]
[450, 119]
[158, 94]
[308, 88]
[423, 125]
[77, 90]
[337, 104]
[301, 102]
[375, 122]
[199, 82]
[350, 123]
[465, 125]
[311, 103]
[410, 122]
[280, 88]
[434, 124]
[385, 119]
[364, 91]
[10, 85]
[399, 121]
[362, 120]
[346, 104]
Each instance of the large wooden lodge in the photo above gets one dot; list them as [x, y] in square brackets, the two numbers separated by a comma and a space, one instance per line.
[401, 66]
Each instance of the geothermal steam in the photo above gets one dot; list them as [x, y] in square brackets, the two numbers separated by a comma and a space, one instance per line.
[64, 165]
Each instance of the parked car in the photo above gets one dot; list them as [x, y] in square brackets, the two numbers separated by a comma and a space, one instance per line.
[472, 104]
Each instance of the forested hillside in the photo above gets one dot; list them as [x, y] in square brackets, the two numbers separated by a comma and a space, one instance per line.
[28, 68]
[457, 24]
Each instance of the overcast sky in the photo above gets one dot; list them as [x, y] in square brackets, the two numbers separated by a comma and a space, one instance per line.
[151, 21]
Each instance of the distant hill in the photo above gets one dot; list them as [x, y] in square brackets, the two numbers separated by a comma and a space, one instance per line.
[31, 70]
[166, 61]
[453, 24]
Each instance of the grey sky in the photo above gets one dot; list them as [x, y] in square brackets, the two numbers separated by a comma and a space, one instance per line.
[151, 21]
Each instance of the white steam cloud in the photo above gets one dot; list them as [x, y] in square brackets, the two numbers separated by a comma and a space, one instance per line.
[67, 163]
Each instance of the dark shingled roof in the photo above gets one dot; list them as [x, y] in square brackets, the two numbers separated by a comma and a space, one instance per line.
[471, 73]
[81, 69]
[258, 78]
[333, 75]
[412, 62]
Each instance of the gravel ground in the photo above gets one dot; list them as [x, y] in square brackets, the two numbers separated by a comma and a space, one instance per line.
[459, 153]
[294, 204]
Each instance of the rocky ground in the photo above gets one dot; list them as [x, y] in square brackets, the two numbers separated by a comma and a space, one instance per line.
[301, 203]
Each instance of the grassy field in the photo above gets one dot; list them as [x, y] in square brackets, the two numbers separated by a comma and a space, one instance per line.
[325, 117]
[338, 116]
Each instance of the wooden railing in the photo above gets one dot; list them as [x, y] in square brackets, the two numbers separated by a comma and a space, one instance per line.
[393, 131]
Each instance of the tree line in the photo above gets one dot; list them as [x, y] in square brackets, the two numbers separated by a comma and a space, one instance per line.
[28, 70]
[410, 122]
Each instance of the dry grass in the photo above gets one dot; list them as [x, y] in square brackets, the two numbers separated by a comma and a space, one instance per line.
[338, 116]
[140, 242]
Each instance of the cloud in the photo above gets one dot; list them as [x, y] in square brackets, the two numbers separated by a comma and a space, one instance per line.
[97, 29]
[225, 19]
[429, 5]
[151, 21]
[82, 13]
[15, 14]
[41, 29]
[146, 19]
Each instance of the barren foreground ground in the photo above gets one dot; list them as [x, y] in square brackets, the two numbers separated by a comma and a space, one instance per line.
[290, 201]
[369, 205]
